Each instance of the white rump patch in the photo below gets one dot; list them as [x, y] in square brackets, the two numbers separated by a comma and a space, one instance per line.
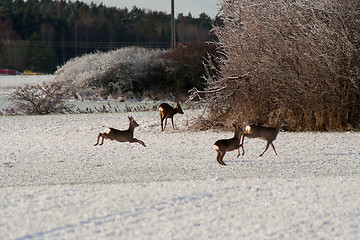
[107, 130]
[161, 109]
[247, 129]
[216, 147]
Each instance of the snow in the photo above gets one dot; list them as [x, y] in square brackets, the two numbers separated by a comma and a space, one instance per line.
[8, 83]
[55, 184]
[20, 80]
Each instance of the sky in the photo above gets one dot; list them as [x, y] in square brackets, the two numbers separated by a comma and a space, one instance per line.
[195, 7]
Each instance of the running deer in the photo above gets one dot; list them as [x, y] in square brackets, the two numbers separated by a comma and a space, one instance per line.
[166, 111]
[225, 145]
[268, 134]
[120, 135]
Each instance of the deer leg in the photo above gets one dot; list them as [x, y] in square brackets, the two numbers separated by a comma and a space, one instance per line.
[220, 157]
[165, 124]
[97, 142]
[242, 144]
[172, 122]
[272, 145]
[102, 140]
[161, 121]
[138, 141]
[267, 146]
[238, 151]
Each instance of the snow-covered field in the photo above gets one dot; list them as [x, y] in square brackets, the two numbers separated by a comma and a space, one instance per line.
[55, 184]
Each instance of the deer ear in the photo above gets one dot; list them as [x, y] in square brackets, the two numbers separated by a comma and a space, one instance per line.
[130, 117]
[234, 125]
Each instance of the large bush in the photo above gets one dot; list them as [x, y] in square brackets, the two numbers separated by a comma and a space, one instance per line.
[113, 71]
[136, 72]
[295, 59]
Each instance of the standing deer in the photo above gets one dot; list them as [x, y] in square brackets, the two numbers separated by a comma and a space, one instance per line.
[268, 134]
[166, 111]
[120, 135]
[225, 145]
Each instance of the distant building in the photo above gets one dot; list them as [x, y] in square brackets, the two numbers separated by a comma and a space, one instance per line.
[29, 72]
[8, 72]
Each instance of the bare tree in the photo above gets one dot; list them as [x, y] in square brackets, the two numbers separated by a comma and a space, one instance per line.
[298, 59]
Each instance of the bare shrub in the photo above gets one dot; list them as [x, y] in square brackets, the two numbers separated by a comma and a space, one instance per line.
[298, 59]
[39, 99]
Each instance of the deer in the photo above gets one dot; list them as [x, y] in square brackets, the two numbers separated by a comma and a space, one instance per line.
[166, 111]
[120, 135]
[268, 134]
[225, 145]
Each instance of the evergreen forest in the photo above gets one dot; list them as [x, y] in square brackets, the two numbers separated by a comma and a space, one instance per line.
[40, 35]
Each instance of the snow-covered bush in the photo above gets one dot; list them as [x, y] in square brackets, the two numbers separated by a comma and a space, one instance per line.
[136, 72]
[40, 99]
[114, 71]
[299, 59]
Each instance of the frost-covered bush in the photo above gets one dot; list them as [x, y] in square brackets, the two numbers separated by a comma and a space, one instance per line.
[299, 59]
[39, 99]
[134, 71]
[114, 71]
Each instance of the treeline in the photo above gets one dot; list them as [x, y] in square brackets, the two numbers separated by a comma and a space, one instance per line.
[39, 35]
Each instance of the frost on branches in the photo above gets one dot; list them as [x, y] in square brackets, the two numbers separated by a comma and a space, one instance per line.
[114, 71]
[299, 59]
[40, 99]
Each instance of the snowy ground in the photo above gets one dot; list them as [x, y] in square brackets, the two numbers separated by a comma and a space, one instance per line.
[55, 184]
[8, 83]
